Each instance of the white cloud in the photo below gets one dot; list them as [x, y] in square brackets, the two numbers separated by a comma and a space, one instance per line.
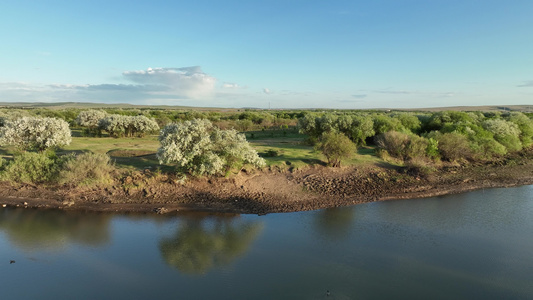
[394, 92]
[267, 91]
[188, 82]
[228, 85]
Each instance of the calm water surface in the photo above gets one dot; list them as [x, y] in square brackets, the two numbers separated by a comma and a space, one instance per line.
[477, 245]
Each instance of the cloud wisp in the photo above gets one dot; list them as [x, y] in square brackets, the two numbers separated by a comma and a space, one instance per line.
[526, 84]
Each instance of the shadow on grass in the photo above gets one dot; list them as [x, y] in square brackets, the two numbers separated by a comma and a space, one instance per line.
[366, 151]
[142, 162]
[313, 161]
[65, 152]
[4, 152]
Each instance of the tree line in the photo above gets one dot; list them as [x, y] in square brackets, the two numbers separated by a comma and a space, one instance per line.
[446, 135]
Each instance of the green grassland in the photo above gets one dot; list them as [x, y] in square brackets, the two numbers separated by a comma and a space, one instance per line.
[292, 148]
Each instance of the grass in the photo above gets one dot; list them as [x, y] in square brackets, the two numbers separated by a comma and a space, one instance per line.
[289, 144]
[139, 153]
[295, 152]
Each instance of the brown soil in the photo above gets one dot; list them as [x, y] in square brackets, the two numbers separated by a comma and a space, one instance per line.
[272, 191]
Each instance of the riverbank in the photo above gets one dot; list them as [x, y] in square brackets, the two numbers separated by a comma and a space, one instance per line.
[273, 190]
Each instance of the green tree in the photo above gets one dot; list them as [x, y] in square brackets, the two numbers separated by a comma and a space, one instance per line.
[335, 146]
[384, 124]
[362, 127]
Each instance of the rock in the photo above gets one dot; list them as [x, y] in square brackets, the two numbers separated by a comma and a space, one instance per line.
[68, 203]
[161, 210]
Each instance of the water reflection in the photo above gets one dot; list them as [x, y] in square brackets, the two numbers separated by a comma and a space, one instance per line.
[335, 223]
[35, 230]
[200, 244]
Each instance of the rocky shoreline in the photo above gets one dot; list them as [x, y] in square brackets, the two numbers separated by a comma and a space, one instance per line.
[271, 191]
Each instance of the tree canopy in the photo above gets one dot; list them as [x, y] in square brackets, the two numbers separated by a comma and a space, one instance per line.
[197, 147]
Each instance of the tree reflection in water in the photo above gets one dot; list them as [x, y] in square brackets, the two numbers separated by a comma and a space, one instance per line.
[32, 230]
[335, 222]
[200, 244]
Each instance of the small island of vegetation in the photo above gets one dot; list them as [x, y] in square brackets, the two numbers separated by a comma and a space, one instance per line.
[253, 161]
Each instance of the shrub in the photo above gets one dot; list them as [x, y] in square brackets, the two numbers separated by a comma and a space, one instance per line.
[198, 148]
[401, 145]
[86, 169]
[416, 147]
[505, 132]
[525, 125]
[487, 148]
[432, 150]
[453, 146]
[233, 149]
[31, 167]
[272, 153]
[244, 125]
[335, 146]
[395, 143]
[30, 133]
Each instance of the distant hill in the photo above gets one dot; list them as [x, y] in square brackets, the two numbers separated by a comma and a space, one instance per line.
[521, 108]
[85, 105]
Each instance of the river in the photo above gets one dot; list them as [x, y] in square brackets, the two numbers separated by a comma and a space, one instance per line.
[476, 245]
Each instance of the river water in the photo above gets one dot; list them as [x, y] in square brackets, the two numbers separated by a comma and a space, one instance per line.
[477, 245]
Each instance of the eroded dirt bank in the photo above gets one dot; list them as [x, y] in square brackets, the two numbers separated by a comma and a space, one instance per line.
[271, 191]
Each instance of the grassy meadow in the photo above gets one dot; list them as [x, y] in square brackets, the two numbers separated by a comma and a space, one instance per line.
[291, 148]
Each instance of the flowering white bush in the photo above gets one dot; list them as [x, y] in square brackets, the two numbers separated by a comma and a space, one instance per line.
[199, 148]
[35, 133]
[142, 125]
[90, 118]
[119, 125]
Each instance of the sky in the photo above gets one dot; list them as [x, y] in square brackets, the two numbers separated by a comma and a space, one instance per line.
[268, 54]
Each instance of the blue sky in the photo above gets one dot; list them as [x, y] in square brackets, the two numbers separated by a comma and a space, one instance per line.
[286, 54]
